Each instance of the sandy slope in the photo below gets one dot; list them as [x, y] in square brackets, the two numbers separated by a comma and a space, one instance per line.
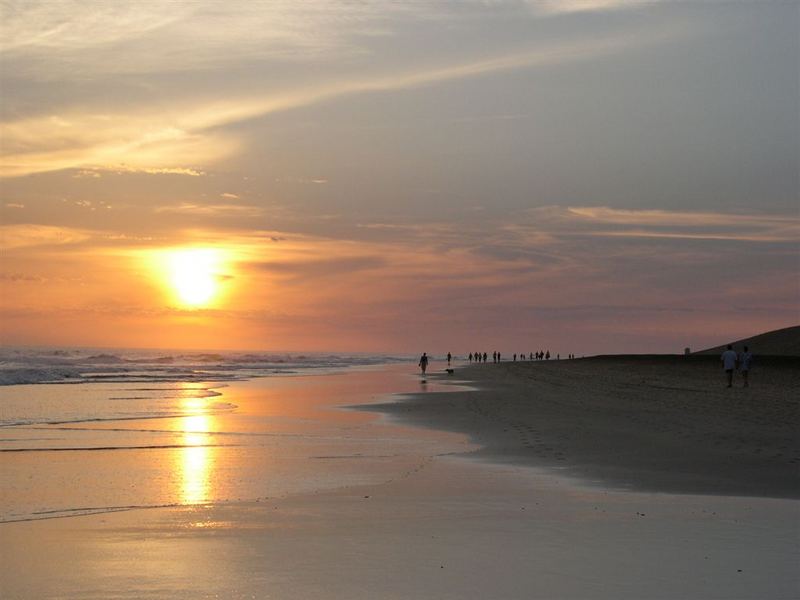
[781, 342]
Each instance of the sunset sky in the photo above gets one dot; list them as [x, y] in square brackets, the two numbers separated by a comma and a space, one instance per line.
[586, 176]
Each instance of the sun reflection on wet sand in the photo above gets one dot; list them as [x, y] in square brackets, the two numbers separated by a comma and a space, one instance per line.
[197, 458]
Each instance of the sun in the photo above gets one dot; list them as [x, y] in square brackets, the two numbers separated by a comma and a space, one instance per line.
[194, 275]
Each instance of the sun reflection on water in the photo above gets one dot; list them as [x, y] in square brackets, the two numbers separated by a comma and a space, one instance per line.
[196, 458]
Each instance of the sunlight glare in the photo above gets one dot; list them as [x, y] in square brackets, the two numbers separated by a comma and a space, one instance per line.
[194, 275]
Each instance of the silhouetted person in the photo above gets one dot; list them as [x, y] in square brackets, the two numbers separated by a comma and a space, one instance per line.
[449, 356]
[485, 356]
[728, 359]
[745, 360]
[494, 356]
[470, 357]
[423, 362]
[547, 355]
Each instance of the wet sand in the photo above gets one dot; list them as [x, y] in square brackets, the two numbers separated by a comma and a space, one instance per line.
[650, 423]
[450, 529]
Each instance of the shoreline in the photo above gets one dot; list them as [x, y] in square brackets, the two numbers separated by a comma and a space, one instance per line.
[651, 423]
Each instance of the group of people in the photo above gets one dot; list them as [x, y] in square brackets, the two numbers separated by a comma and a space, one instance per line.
[478, 357]
[732, 361]
[497, 356]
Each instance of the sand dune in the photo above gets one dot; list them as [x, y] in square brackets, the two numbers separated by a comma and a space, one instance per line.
[781, 342]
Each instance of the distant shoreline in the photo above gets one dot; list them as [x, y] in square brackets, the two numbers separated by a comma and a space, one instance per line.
[658, 423]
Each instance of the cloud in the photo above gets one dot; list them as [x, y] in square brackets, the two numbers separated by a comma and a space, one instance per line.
[317, 180]
[697, 225]
[98, 172]
[87, 174]
[526, 272]
[188, 171]
[214, 210]
[15, 277]
[143, 142]
[71, 25]
[327, 267]
[150, 139]
[558, 7]
[114, 37]
[25, 236]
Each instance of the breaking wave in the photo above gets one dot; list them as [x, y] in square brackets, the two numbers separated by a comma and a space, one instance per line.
[27, 366]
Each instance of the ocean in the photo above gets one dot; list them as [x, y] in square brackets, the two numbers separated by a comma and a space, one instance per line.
[88, 365]
[84, 431]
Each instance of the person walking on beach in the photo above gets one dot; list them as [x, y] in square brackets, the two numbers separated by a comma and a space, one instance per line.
[423, 362]
[745, 358]
[449, 357]
[729, 359]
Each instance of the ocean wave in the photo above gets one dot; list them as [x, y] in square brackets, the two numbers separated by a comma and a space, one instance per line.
[26, 366]
[108, 448]
[22, 375]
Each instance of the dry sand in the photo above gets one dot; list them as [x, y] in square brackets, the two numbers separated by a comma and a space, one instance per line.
[653, 423]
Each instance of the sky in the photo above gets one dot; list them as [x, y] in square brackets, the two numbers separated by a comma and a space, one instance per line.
[584, 176]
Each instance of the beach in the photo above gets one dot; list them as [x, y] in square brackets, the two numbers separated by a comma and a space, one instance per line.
[651, 423]
[499, 481]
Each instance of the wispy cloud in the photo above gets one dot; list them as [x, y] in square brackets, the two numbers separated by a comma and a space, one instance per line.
[115, 37]
[150, 140]
[689, 225]
[25, 236]
[557, 7]
[211, 210]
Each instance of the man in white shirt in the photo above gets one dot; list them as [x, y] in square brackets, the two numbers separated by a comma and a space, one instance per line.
[729, 363]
